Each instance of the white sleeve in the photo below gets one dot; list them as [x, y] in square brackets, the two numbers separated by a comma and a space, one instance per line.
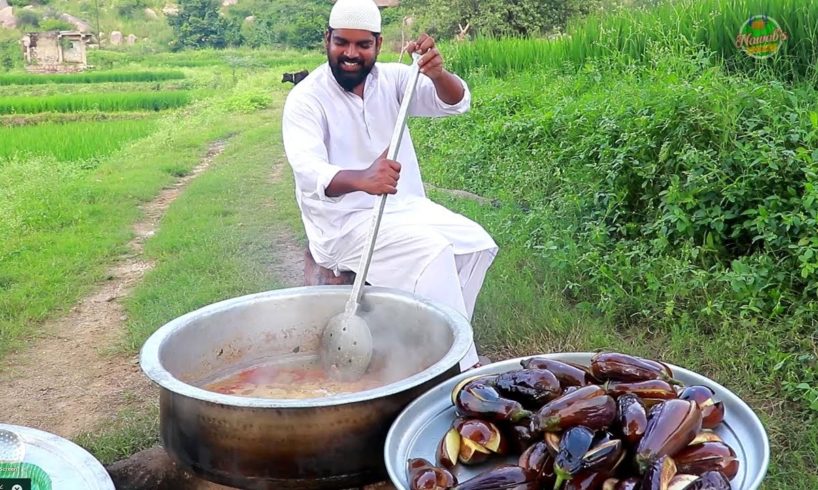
[426, 102]
[304, 131]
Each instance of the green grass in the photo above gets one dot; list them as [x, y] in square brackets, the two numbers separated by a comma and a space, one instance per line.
[216, 242]
[95, 88]
[76, 141]
[132, 430]
[63, 224]
[155, 101]
[635, 34]
[90, 77]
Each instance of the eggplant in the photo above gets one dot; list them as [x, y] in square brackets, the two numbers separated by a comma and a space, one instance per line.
[521, 434]
[681, 481]
[587, 481]
[575, 442]
[531, 387]
[567, 374]
[472, 453]
[674, 424]
[613, 366]
[588, 406]
[603, 436]
[538, 459]
[449, 449]
[487, 380]
[706, 435]
[425, 476]
[483, 401]
[604, 457]
[632, 418]
[631, 483]
[712, 410]
[697, 459]
[503, 477]
[659, 474]
[610, 484]
[483, 433]
[552, 440]
[656, 389]
[712, 480]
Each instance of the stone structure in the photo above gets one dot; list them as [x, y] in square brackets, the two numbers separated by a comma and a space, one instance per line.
[116, 38]
[55, 51]
[151, 14]
[131, 39]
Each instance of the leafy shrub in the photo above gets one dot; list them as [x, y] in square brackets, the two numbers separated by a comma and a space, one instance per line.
[28, 19]
[128, 8]
[689, 195]
[55, 25]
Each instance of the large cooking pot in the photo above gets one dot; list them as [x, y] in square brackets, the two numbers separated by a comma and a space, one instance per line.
[331, 442]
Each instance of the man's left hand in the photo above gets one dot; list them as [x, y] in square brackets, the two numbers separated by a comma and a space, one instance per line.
[431, 62]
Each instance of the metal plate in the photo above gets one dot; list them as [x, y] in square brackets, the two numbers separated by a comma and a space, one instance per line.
[418, 429]
[69, 466]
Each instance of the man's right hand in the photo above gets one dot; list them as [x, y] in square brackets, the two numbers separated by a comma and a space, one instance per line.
[381, 177]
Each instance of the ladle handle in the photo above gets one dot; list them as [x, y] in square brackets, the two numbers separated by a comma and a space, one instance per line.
[391, 154]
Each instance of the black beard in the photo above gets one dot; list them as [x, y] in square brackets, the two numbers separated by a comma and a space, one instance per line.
[349, 80]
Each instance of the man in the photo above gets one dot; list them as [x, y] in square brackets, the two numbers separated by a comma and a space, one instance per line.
[337, 126]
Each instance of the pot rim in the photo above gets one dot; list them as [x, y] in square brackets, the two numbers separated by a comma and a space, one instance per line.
[152, 367]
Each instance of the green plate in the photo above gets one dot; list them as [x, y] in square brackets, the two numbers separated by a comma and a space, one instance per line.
[39, 478]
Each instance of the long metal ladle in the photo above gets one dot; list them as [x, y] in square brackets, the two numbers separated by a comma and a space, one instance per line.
[346, 343]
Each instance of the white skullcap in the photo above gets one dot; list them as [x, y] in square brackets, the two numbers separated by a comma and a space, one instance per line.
[355, 14]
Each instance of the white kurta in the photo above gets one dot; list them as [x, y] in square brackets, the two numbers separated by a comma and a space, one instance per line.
[327, 129]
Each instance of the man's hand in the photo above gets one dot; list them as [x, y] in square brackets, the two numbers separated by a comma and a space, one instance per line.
[431, 62]
[381, 177]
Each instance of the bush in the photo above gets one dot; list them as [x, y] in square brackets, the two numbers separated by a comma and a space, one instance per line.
[690, 196]
[55, 25]
[10, 55]
[127, 8]
[28, 18]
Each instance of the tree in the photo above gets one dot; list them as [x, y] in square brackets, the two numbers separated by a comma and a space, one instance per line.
[294, 23]
[199, 25]
[495, 17]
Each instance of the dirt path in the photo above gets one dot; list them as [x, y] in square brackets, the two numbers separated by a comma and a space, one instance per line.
[69, 381]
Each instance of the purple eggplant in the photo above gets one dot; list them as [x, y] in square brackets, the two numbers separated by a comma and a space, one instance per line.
[660, 474]
[650, 389]
[587, 481]
[697, 459]
[575, 442]
[531, 387]
[633, 421]
[425, 476]
[588, 406]
[538, 458]
[712, 410]
[503, 477]
[613, 366]
[567, 374]
[712, 480]
[483, 401]
[671, 427]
